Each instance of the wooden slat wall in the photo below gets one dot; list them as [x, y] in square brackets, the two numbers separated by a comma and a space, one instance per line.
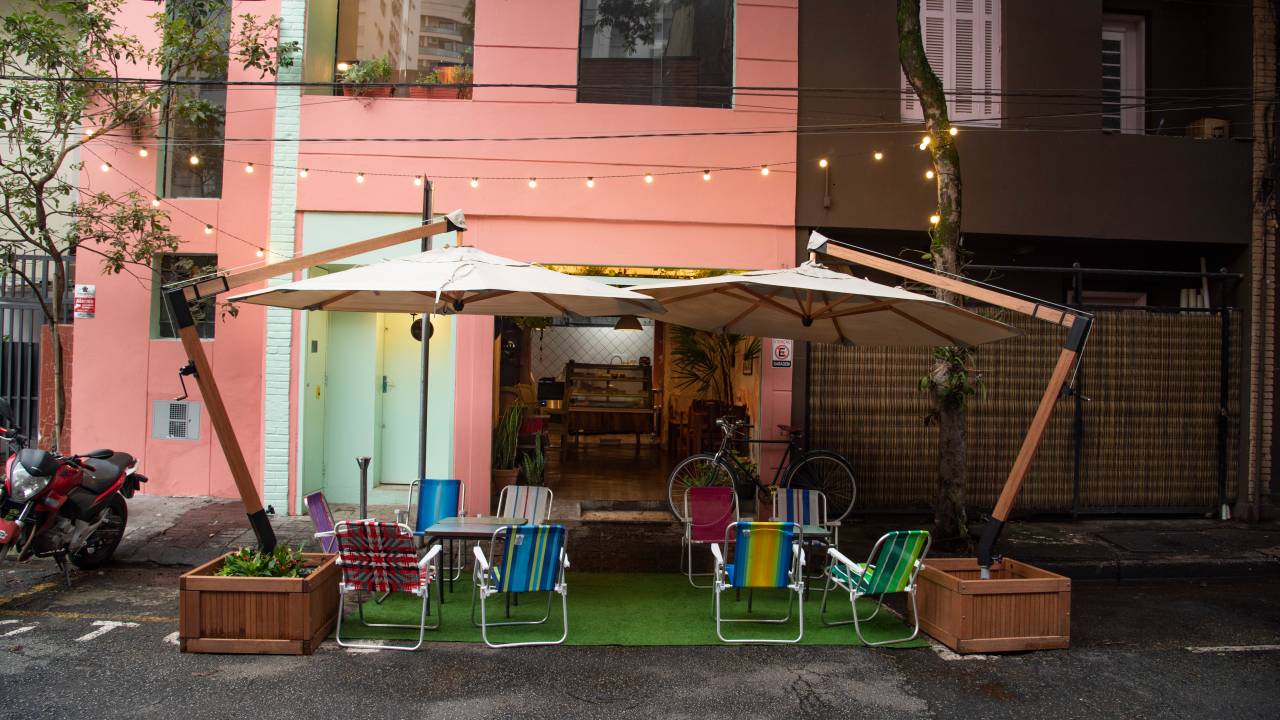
[1150, 432]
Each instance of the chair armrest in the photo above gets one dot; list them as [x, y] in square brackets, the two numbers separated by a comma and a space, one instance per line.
[431, 555]
[840, 557]
[402, 516]
[481, 561]
[324, 534]
[715, 552]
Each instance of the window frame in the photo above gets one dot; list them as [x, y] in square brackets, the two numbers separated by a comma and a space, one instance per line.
[1132, 31]
[910, 109]
[168, 161]
[206, 327]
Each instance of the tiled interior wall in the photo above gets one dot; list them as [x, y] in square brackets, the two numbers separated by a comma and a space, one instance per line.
[559, 345]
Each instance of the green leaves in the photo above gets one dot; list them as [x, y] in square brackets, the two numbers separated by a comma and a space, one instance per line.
[951, 380]
[707, 361]
[282, 562]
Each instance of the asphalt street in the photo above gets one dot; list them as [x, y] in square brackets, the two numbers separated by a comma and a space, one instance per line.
[107, 648]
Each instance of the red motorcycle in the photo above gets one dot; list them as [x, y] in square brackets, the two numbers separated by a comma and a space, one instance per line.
[68, 507]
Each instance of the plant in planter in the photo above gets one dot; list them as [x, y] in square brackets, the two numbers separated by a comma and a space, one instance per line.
[465, 77]
[534, 463]
[505, 438]
[283, 562]
[441, 82]
[358, 78]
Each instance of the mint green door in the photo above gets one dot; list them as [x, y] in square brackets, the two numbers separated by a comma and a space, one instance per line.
[315, 353]
[400, 388]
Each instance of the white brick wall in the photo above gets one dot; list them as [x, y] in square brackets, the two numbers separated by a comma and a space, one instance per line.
[278, 367]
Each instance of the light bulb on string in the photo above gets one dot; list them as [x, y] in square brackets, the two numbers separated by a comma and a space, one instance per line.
[764, 170]
[878, 155]
[934, 219]
[359, 177]
[591, 182]
[208, 229]
[155, 202]
[88, 132]
[105, 167]
[924, 142]
[249, 168]
[928, 174]
[475, 182]
[533, 183]
[706, 175]
[194, 159]
[823, 163]
[954, 131]
[303, 173]
[648, 178]
[417, 181]
[260, 252]
[142, 152]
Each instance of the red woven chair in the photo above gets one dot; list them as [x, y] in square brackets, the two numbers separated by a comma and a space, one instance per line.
[707, 511]
[381, 557]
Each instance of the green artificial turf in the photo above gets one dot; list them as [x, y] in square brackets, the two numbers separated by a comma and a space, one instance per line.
[626, 609]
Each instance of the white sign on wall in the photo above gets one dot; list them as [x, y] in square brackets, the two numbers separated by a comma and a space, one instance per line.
[781, 352]
[84, 304]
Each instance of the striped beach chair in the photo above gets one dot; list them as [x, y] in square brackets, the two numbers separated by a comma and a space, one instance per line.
[378, 558]
[766, 555]
[531, 502]
[804, 507]
[892, 567]
[708, 511]
[436, 500]
[533, 559]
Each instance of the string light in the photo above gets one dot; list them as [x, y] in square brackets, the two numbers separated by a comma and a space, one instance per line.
[924, 142]
[591, 182]
[823, 163]
[648, 178]
[142, 152]
[359, 177]
[954, 131]
[260, 252]
[155, 202]
[878, 155]
[88, 133]
[764, 170]
[194, 159]
[475, 182]
[302, 173]
[934, 219]
[343, 67]
[706, 175]
[533, 183]
[417, 181]
[208, 229]
[928, 174]
[249, 168]
[105, 167]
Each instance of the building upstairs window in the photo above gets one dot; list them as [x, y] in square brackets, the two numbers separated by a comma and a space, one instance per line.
[1123, 74]
[962, 42]
[179, 267]
[197, 112]
[656, 52]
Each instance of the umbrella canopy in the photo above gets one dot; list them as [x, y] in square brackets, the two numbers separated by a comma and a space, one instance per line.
[812, 302]
[452, 281]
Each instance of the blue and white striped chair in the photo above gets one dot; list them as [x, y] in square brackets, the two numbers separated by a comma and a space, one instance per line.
[436, 500]
[533, 560]
[531, 502]
[804, 507]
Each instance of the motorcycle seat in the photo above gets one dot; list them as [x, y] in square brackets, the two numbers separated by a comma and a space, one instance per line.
[100, 474]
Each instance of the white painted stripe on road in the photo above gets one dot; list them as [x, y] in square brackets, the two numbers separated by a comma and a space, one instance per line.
[104, 627]
[362, 651]
[949, 655]
[1233, 648]
[18, 631]
[172, 638]
[9, 622]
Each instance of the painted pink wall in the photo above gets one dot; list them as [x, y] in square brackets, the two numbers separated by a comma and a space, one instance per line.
[120, 370]
[740, 219]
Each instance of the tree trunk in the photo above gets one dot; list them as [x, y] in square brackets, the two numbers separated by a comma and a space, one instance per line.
[55, 343]
[950, 523]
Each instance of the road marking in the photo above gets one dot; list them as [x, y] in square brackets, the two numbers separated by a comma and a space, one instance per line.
[362, 651]
[18, 631]
[172, 638]
[35, 590]
[946, 653]
[1233, 648]
[65, 615]
[104, 627]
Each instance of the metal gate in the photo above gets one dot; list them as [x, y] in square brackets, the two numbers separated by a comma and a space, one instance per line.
[21, 320]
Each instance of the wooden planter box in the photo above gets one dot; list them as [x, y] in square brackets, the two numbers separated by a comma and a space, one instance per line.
[1020, 608]
[276, 616]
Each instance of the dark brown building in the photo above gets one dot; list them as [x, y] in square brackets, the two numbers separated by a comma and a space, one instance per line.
[1116, 135]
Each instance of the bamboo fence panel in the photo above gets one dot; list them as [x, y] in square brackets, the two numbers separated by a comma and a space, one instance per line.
[1150, 430]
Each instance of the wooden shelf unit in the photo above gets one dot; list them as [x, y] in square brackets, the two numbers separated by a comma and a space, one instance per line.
[608, 399]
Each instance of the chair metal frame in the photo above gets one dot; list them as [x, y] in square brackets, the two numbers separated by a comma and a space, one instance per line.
[546, 513]
[423, 591]
[687, 542]
[795, 587]
[482, 588]
[328, 541]
[407, 517]
[851, 587]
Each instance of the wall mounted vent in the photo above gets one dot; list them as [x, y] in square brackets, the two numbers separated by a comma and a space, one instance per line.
[175, 420]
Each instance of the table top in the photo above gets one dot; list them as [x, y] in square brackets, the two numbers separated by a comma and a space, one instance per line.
[471, 526]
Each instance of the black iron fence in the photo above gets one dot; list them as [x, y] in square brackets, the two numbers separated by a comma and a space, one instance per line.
[21, 320]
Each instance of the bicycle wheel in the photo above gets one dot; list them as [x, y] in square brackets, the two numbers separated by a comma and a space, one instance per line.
[829, 473]
[701, 470]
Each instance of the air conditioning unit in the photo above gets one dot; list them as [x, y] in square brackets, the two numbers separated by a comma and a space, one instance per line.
[1210, 129]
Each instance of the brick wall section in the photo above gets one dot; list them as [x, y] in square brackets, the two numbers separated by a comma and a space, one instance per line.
[278, 367]
[1262, 364]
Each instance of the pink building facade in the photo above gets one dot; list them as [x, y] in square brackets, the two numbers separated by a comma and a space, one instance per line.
[357, 184]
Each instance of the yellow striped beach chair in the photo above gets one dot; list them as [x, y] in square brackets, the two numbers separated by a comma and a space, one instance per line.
[766, 555]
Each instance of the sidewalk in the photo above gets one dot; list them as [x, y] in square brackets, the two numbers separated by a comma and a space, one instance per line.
[190, 531]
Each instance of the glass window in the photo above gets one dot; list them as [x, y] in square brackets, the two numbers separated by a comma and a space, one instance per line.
[423, 41]
[1123, 77]
[177, 267]
[656, 52]
[197, 116]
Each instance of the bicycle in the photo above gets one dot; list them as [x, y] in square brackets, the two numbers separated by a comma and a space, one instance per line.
[821, 470]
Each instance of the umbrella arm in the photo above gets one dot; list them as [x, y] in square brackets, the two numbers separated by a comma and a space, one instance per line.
[1059, 385]
[180, 312]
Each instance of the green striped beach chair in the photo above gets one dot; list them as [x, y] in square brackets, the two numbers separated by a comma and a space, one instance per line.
[892, 567]
[765, 555]
[533, 559]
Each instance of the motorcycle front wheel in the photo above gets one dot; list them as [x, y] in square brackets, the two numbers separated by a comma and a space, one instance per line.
[102, 544]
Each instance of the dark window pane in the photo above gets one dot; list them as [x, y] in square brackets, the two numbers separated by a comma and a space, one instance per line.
[177, 267]
[197, 114]
[656, 52]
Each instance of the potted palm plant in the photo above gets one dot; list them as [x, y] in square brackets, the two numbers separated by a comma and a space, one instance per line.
[506, 436]
[534, 464]
[360, 78]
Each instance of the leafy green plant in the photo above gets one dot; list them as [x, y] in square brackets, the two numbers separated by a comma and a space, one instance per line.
[535, 463]
[367, 72]
[282, 562]
[505, 437]
[707, 361]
